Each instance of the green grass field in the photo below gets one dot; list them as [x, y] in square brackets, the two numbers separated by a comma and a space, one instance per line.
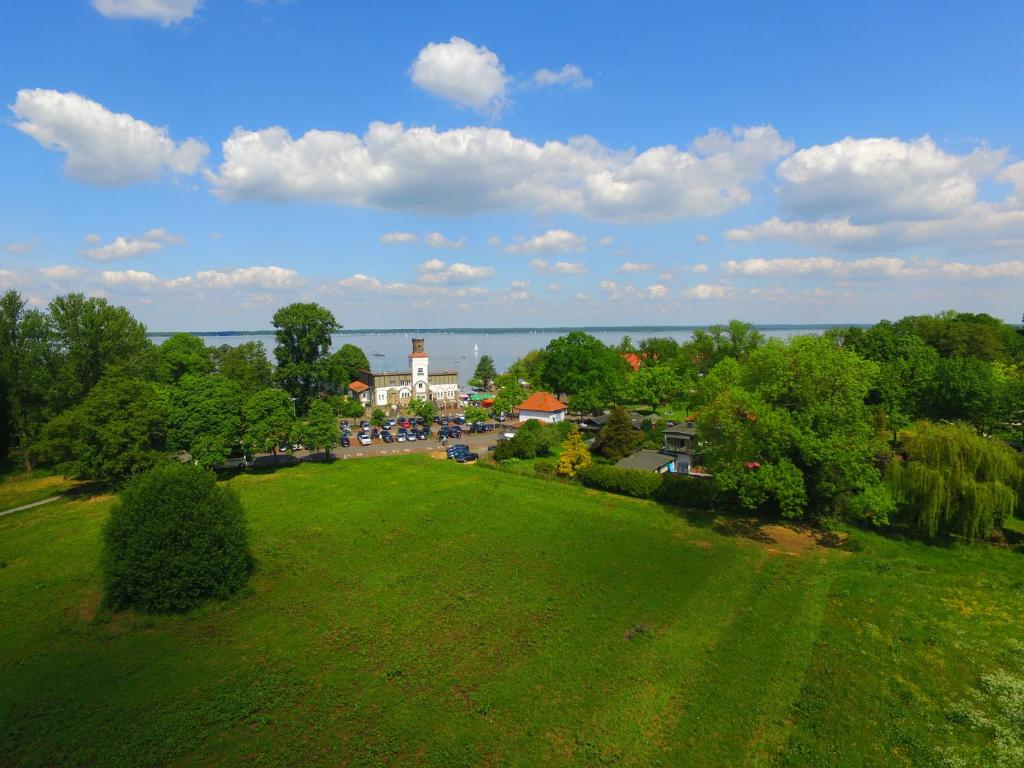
[407, 611]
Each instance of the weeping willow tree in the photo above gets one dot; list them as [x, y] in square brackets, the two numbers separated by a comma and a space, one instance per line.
[953, 481]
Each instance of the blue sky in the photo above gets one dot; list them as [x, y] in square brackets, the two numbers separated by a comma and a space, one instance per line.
[406, 165]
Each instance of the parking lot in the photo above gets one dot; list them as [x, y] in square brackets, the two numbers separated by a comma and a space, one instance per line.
[477, 443]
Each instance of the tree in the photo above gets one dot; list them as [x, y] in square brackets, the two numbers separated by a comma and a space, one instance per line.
[30, 366]
[174, 539]
[789, 430]
[953, 481]
[528, 367]
[246, 363]
[350, 408]
[963, 388]
[474, 414]
[378, 417]
[575, 455]
[206, 417]
[709, 347]
[425, 409]
[320, 429]
[617, 438]
[342, 368]
[118, 431]
[180, 354]
[485, 371]
[655, 386]
[93, 338]
[303, 340]
[658, 350]
[508, 397]
[577, 362]
[267, 419]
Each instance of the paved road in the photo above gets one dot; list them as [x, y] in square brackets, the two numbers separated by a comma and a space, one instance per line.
[28, 506]
[477, 443]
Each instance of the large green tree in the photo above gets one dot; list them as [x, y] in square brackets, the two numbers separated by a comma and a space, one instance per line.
[30, 366]
[94, 338]
[655, 386]
[320, 428]
[618, 437]
[247, 363]
[579, 362]
[485, 371]
[118, 431]
[950, 480]
[425, 409]
[267, 419]
[181, 354]
[789, 430]
[206, 417]
[340, 369]
[303, 341]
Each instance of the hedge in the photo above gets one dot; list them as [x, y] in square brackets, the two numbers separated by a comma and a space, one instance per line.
[678, 490]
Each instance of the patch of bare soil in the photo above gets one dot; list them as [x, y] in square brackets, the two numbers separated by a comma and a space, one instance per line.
[798, 540]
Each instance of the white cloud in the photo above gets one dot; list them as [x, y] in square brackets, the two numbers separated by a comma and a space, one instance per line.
[614, 291]
[542, 267]
[474, 169]
[467, 74]
[554, 287]
[604, 241]
[494, 241]
[520, 285]
[552, 241]
[242, 278]
[164, 11]
[632, 266]
[398, 238]
[131, 278]
[887, 267]
[435, 272]
[360, 283]
[92, 238]
[121, 248]
[437, 240]
[20, 249]
[665, 277]
[708, 291]
[61, 272]
[103, 147]
[569, 75]
[657, 291]
[701, 239]
[699, 269]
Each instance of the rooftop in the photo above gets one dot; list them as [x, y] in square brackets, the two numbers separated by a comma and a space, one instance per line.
[542, 401]
[646, 460]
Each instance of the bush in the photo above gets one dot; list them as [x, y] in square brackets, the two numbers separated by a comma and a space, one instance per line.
[686, 491]
[628, 482]
[174, 539]
[544, 468]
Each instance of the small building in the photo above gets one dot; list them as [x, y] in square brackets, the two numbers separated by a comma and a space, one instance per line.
[649, 461]
[398, 388]
[542, 406]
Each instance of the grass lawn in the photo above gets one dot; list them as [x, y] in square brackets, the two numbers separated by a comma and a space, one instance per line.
[18, 487]
[407, 611]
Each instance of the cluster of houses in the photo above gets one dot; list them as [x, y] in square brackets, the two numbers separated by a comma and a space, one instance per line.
[395, 389]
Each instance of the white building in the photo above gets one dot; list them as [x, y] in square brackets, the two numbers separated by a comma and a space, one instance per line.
[542, 406]
[396, 388]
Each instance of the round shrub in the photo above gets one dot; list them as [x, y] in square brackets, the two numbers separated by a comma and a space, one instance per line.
[174, 539]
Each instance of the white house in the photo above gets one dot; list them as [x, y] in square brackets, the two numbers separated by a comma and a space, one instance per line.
[542, 406]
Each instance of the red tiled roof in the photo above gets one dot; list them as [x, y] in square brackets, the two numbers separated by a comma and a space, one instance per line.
[633, 360]
[358, 386]
[542, 401]
[419, 354]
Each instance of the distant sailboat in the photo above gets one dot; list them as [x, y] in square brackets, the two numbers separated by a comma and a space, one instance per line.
[476, 348]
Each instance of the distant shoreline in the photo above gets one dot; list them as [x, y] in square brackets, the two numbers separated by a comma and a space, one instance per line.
[549, 329]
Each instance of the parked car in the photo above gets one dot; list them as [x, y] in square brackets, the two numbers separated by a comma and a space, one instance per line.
[402, 436]
[345, 442]
[364, 439]
[463, 458]
[387, 437]
[421, 435]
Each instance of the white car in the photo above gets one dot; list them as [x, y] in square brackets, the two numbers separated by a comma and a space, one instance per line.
[401, 437]
[364, 439]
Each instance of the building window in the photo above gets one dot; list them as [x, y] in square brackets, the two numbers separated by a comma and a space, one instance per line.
[419, 371]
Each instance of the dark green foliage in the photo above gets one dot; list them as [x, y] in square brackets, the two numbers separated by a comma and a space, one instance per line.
[709, 347]
[963, 388]
[303, 341]
[425, 409]
[182, 354]
[485, 370]
[246, 363]
[118, 431]
[617, 438]
[579, 362]
[206, 417]
[267, 419]
[378, 417]
[531, 440]
[966, 334]
[93, 338]
[628, 482]
[339, 370]
[687, 491]
[174, 539]
[320, 428]
[952, 481]
[544, 468]
[349, 408]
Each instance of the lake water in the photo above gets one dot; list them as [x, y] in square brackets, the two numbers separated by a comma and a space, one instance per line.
[459, 349]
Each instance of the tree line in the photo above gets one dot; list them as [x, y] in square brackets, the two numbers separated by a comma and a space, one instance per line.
[83, 388]
[917, 422]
